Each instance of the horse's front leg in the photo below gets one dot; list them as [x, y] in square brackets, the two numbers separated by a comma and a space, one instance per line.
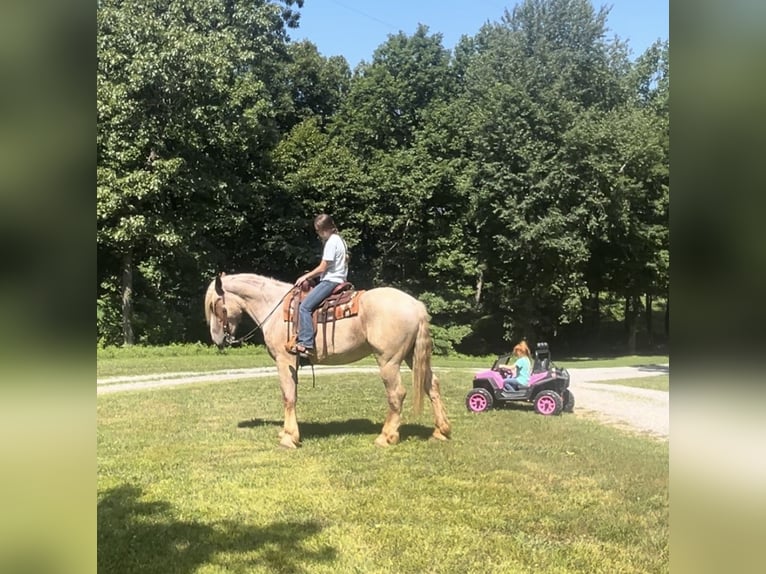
[289, 436]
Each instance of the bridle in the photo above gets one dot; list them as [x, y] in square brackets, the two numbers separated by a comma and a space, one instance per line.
[222, 314]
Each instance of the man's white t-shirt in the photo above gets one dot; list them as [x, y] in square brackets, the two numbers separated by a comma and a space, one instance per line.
[335, 255]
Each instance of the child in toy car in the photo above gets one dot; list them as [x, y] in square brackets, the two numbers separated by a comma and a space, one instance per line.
[547, 388]
[517, 375]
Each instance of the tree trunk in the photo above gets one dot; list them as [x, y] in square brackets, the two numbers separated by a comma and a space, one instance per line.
[592, 317]
[626, 316]
[632, 303]
[649, 324]
[479, 285]
[597, 309]
[127, 299]
[667, 317]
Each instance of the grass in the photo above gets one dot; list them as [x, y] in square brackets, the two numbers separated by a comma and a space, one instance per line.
[658, 383]
[620, 361]
[190, 480]
[138, 360]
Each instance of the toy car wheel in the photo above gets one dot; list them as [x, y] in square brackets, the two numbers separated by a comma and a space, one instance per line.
[569, 401]
[548, 403]
[479, 400]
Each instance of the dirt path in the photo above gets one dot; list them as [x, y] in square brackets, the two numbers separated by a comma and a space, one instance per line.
[642, 410]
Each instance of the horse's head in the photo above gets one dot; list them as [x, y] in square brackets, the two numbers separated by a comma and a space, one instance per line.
[222, 321]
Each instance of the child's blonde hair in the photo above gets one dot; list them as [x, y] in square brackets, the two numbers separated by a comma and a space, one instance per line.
[522, 349]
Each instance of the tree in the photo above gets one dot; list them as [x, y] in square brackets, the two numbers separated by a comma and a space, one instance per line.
[514, 183]
[187, 108]
[389, 96]
[529, 82]
[316, 86]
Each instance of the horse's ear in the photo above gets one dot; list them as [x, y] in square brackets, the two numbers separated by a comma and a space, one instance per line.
[219, 284]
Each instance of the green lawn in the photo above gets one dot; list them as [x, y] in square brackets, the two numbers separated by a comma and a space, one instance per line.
[191, 479]
[137, 360]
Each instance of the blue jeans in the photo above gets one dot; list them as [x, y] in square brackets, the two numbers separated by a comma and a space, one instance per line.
[312, 301]
[513, 384]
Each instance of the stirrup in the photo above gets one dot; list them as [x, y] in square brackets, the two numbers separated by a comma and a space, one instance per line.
[304, 354]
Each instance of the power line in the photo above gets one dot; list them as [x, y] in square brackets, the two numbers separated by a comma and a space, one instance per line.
[370, 16]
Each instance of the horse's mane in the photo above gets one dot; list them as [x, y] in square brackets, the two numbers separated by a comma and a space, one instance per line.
[209, 295]
[259, 283]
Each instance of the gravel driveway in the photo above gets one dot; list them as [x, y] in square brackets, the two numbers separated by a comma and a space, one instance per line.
[642, 410]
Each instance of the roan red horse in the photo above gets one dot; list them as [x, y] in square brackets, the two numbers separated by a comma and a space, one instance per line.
[390, 325]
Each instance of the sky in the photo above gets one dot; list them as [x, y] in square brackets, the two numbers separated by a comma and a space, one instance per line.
[355, 28]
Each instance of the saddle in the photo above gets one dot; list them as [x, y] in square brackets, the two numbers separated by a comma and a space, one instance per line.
[341, 303]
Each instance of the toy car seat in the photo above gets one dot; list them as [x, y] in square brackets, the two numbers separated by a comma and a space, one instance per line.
[542, 358]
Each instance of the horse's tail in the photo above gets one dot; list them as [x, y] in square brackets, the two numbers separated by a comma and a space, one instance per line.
[421, 363]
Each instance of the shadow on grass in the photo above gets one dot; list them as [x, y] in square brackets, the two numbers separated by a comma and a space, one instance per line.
[138, 536]
[347, 427]
[516, 406]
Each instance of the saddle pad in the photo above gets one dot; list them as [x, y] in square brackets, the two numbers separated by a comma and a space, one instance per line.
[344, 310]
[324, 313]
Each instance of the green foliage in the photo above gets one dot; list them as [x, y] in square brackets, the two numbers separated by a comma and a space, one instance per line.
[316, 86]
[445, 338]
[108, 320]
[523, 177]
[549, 197]
[388, 98]
[188, 103]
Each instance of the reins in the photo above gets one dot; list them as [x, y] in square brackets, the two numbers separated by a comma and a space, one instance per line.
[230, 340]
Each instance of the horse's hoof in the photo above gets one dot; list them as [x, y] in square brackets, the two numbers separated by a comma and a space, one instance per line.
[287, 441]
[438, 435]
[387, 440]
[381, 441]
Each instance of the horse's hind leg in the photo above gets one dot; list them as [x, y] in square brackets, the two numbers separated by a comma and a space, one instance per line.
[395, 392]
[443, 428]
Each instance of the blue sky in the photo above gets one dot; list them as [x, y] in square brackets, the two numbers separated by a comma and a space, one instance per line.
[355, 28]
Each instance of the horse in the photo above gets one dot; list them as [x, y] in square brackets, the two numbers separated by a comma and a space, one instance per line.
[391, 325]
